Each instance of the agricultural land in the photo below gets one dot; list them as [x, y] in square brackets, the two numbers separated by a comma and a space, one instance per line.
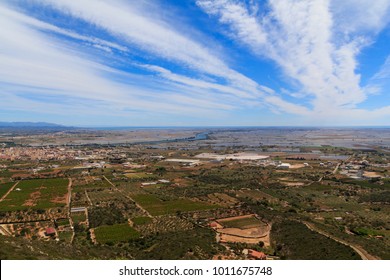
[285, 193]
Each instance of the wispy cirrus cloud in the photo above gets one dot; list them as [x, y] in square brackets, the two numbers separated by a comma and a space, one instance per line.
[125, 57]
[38, 69]
[133, 25]
[360, 16]
[32, 59]
[309, 41]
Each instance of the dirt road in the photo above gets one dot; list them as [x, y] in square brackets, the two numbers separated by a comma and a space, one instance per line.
[10, 190]
[337, 167]
[87, 196]
[362, 253]
[69, 192]
[139, 206]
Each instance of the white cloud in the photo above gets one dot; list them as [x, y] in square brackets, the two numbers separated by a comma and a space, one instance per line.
[136, 26]
[297, 35]
[380, 81]
[360, 16]
[201, 84]
[302, 37]
[31, 59]
[33, 64]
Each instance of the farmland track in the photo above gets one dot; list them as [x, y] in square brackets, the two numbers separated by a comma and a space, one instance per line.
[69, 208]
[337, 167]
[87, 196]
[362, 253]
[69, 192]
[128, 197]
[10, 190]
[4, 231]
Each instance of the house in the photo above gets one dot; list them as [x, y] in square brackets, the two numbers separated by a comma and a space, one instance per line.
[254, 255]
[50, 231]
[215, 225]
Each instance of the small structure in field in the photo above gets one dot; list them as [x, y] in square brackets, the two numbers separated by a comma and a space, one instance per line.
[50, 231]
[284, 166]
[254, 255]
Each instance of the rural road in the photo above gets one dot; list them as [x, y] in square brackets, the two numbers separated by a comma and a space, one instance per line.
[69, 192]
[4, 231]
[362, 253]
[69, 212]
[337, 167]
[87, 196]
[139, 206]
[10, 190]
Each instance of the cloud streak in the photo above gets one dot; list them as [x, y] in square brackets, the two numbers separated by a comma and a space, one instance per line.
[301, 37]
[41, 66]
[126, 58]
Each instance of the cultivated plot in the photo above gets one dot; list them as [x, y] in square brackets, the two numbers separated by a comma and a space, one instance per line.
[36, 194]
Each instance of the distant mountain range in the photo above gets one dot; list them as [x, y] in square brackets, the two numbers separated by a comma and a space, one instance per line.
[31, 125]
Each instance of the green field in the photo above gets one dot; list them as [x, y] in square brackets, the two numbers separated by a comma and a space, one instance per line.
[244, 223]
[36, 194]
[139, 175]
[115, 233]
[65, 236]
[141, 220]
[78, 217]
[4, 188]
[62, 222]
[98, 184]
[104, 195]
[157, 207]
[293, 240]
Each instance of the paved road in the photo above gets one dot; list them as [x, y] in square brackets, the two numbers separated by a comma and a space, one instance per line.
[362, 253]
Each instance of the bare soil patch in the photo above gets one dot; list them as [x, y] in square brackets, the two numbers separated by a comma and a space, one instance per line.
[32, 201]
[60, 199]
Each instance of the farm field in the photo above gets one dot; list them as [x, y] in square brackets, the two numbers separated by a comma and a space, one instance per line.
[295, 241]
[62, 222]
[241, 222]
[36, 194]
[104, 195]
[244, 229]
[214, 209]
[4, 188]
[65, 236]
[141, 220]
[255, 195]
[94, 184]
[139, 175]
[115, 233]
[157, 207]
[78, 217]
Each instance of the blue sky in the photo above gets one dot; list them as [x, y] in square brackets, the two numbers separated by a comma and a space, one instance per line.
[195, 63]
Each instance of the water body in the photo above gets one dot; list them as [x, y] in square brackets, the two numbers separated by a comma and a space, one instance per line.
[198, 137]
